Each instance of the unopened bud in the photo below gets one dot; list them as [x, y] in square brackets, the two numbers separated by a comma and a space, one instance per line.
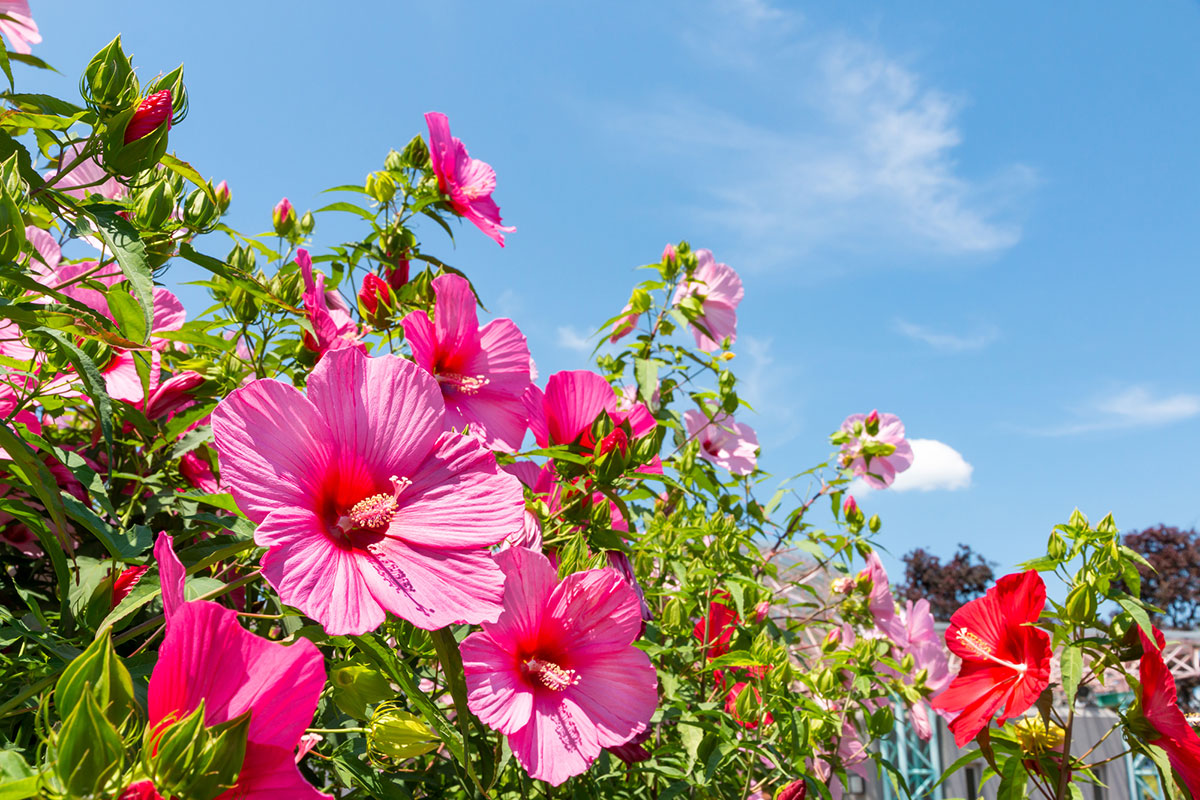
[1056, 547]
[307, 223]
[224, 196]
[153, 206]
[381, 186]
[283, 216]
[152, 113]
[394, 733]
[393, 162]
[109, 83]
[199, 211]
[668, 253]
[375, 301]
[874, 523]
[871, 423]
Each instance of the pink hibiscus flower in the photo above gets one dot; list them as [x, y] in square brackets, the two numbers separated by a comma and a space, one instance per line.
[557, 673]
[88, 177]
[720, 290]
[728, 444]
[625, 325]
[483, 372]
[365, 503]
[877, 450]
[571, 403]
[331, 321]
[467, 181]
[206, 656]
[20, 30]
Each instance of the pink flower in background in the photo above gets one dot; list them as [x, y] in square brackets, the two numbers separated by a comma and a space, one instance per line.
[876, 431]
[206, 656]
[571, 403]
[365, 503]
[625, 325]
[20, 30]
[922, 642]
[152, 112]
[731, 698]
[852, 754]
[87, 177]
[882, 604]
[46, 252]
[197, 472]
[124, 583]
[482, 372]
[720, 290]
[331, 322]
[557, 673]
[173, 394]
[728, 444]
[468, 181]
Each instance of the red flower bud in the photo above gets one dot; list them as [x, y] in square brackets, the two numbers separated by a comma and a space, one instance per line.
[617, 440]
[142, 790]
[397, 276]
[374, 291]
[153, 112]
[125, 582]
[173, 394]
[668, 253]
[850, 507]
[796, 790]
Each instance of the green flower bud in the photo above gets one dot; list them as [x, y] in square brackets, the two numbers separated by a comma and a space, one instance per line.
[242, 259]
[394, 162]
[12, 229]
[307, 223]
[874, 523]
[89, 750]
[1081, 604]
[153, 206]
[199, 211]
[381, 186]
[356, 686]
[109, 83]
[243, 304]
[416, 153]
[1056, 547]
[393, 733]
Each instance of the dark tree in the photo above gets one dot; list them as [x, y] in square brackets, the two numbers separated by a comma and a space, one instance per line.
[1174, 583]
[946, 586]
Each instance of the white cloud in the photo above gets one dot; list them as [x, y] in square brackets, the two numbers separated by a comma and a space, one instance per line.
[855, 155]
[936, 466]
[571, 339]
[949, 342]
[1134, 407]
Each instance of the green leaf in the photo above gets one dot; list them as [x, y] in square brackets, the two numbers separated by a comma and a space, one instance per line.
[452, 666]
[122, 239]
[128, 314]
[740, 658]
[1135, 610]
[349, 208]
[692, 735]
[186, 170]
[19, 788]
[1072, 672]
[1013, 780]
[93, 384]
[646, 371]
[6, 67]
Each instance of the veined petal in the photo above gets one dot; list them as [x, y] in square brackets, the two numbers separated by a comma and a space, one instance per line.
[385, 412]
[171, 575]
[271, 773]
[530, 580]
[618, 693]
[497, 693]
[433, 587]
[459, 498]
[558, 743]
[318, 575]
[207, 656]
[274, 446]
[597, 609]
[573, 401]
[455, 322]
[418, 330]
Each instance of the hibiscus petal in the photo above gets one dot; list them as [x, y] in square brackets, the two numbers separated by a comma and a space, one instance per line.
[530, 580]
[558, 743]
[433, 587]
[618, 692]
[459, 498]
[271, 773]
[455, 321]
[171, 575]
[317, 575]
[385, 411]
[497, 693]
[978, 693]
[274, 447]
[720, 321]
[597, 609]
[207, 656]
[573, 401]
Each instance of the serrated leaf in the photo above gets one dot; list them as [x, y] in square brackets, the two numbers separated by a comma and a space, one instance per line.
[122, 239]
[1072, 672]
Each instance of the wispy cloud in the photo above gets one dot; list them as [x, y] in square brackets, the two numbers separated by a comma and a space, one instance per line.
[936, 466]
[571, 339]
[1133, 407]
[764, 384]
[978, 339]
[856, 155]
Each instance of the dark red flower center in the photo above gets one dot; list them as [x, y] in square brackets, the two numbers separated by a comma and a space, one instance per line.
[371, 514]
[550, 675]
[453, 383]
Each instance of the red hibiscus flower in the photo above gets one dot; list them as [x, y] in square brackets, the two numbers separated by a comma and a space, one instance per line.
[1005, 660]
[1160, 706]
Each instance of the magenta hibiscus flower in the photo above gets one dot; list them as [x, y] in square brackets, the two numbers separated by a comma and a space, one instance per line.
[330, 320]
[557, 673]
[206, 656]
[876, 451]
[365, 503]
[483, 372]
[467, 181]
[720, 290]
[565, 412]
[728, 444]
[20, 29]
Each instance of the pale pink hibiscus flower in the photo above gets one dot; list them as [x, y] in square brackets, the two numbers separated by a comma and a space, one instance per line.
[877, 450]
[557, 673]
[564, 413]
[483, 372]
[19, 29]
[87, 177]
[207, 657]
[728, 444]
[720, 291]
[330, 318]
[365, 503]
[625, 325]
[467, 181]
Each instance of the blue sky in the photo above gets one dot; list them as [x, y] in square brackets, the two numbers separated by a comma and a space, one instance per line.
[982, 220]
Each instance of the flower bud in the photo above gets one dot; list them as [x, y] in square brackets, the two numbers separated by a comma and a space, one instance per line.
[1056, 547]
[124, 583]
[796, 790]
[223, 195]
[153, 112]
[283, 216]
[394, 733]
[394, 162]
[871, 423]
[416, 153]
[108, 81]
[307, 223]
[874, 523]
[761, 610]
[850, 506]
[1081, 604]
[153, 206]
[12, 229]
[356, 686]
[199, 211]
[397, 275]
[243, 304]
[668, 253]
[381, 186]
[375, 301]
